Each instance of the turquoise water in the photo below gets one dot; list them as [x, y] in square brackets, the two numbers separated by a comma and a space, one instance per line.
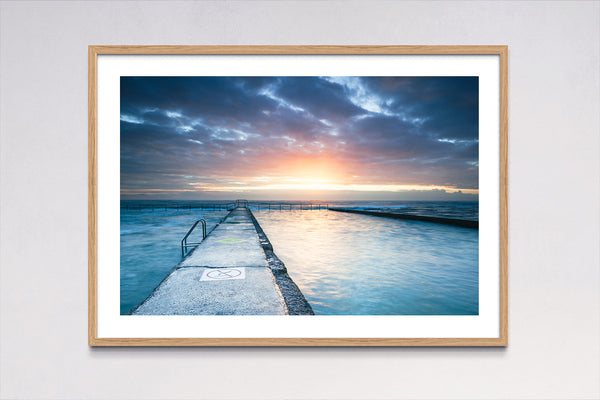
[345, 264]
[151, 247]
[349, 264]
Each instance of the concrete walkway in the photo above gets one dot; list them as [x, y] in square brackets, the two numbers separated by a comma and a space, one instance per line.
[227, 274]
[398, 215]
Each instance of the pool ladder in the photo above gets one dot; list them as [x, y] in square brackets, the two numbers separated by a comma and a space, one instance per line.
[185, 244]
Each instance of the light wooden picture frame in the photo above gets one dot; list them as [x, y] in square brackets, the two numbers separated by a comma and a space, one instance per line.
[107, 326]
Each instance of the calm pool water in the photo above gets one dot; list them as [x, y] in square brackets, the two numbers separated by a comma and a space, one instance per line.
[345, 264]
[362, 265]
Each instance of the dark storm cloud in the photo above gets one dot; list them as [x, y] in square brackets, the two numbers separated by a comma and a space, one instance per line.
[179, 133]
[217, 98]
[447, 105]
[319, 97]
[394, 136]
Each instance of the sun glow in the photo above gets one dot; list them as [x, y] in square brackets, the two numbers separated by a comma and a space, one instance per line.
[321, 185]
[309, 173]
[311, 170]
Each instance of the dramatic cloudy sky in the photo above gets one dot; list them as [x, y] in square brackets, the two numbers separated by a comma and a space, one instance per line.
[299, 138]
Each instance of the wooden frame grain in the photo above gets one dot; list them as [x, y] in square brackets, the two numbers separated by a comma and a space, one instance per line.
[94, 51]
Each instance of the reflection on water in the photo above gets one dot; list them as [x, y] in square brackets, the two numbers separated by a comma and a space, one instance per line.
[343, 263]
[348, 264]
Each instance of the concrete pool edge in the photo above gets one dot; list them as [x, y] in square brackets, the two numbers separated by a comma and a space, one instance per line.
[438, 220]
[292, 295]
[282, 286]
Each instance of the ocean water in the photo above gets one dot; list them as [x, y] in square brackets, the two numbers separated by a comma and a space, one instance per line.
[345, 264]
[467, 210]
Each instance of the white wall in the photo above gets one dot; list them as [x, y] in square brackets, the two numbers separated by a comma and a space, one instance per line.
[554, 349]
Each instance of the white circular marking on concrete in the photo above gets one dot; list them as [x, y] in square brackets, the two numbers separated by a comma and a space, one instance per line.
[221, 274]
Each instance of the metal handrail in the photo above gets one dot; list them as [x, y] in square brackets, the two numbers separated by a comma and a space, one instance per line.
[288, 206]
[185, 244]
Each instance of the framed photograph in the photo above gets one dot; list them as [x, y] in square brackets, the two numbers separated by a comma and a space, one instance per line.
[298, 195]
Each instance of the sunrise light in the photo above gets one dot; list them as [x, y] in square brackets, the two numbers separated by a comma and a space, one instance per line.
[209, 137]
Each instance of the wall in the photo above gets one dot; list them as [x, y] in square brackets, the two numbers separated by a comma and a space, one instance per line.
[554, 350]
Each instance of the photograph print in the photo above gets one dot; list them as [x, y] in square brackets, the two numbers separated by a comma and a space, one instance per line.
[299, 195]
